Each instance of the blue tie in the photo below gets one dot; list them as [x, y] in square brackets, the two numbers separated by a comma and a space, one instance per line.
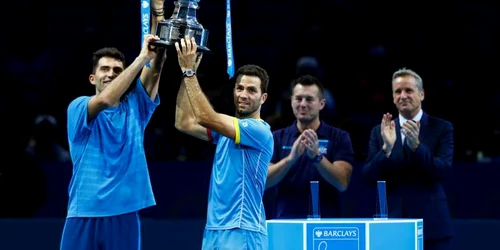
[406, 148]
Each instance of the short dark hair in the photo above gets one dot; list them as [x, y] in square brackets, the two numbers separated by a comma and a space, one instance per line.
[106, 52]
[309, 80]
[254, 70]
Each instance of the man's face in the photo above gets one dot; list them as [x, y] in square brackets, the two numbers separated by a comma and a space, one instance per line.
[248, 96]
[306, 102]
[107, 69]
[406, 95]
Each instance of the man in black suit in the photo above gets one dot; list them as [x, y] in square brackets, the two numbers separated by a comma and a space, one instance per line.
[412, 153]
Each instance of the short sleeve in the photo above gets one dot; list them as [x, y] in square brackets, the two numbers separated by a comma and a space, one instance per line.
[77, 117]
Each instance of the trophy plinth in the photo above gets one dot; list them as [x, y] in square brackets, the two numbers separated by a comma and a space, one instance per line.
[182, 23]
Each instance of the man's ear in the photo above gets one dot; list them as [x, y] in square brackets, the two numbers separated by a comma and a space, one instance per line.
[263, 98]
[92, 79]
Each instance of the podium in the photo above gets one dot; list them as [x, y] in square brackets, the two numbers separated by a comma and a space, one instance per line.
[345, 234]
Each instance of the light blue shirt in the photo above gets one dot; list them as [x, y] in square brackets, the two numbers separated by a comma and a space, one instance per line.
[239, 175]
[110, 174]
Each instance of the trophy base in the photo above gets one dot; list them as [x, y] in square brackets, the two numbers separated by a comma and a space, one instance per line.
[171, 45]
[171, 31]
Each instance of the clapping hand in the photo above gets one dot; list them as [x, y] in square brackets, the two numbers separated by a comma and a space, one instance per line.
[310, 142]
[298, 149]
[388, 132]
[411, 130]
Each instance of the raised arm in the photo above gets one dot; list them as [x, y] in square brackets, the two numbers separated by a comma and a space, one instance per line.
[277, 171]
[150, 76]
[338, 171]
[118, 86]
[380, 147]
[185, 120]
[203, 111]
[375, 159]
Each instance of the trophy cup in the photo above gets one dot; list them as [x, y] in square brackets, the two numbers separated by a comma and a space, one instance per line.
[182, 23]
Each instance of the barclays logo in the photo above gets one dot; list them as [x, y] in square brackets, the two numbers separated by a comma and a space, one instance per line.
[145, 4]
[318, 233]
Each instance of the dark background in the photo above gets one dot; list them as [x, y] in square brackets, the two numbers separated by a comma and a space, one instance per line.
[47, 55]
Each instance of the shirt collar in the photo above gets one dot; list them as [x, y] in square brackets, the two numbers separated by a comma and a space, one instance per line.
[417, 118]
[322, 130]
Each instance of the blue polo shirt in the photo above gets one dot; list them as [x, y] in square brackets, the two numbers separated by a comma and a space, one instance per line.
[238, 178]
[293, 191]
[110, 171]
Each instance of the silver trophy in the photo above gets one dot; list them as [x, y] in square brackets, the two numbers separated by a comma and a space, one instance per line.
[182, 23]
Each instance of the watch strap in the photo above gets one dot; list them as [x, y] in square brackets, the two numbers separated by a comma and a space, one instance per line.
[318, 158]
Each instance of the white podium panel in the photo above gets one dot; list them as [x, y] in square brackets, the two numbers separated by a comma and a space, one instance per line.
[346, 234]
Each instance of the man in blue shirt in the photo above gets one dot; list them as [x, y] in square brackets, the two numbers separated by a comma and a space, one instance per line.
[236, 216]
[309, 150]
[110, 181]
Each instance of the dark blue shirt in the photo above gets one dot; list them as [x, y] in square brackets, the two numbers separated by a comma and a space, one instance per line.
[293, 191]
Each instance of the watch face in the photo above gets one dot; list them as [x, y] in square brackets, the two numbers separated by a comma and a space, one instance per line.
[189, 72]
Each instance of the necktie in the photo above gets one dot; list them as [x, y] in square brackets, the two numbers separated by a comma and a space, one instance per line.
[406, 148]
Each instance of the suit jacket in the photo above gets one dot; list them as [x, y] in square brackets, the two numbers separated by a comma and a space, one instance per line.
[414, 179]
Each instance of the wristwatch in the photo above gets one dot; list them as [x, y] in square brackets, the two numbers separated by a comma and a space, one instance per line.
[318, 158]
[189, 73]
